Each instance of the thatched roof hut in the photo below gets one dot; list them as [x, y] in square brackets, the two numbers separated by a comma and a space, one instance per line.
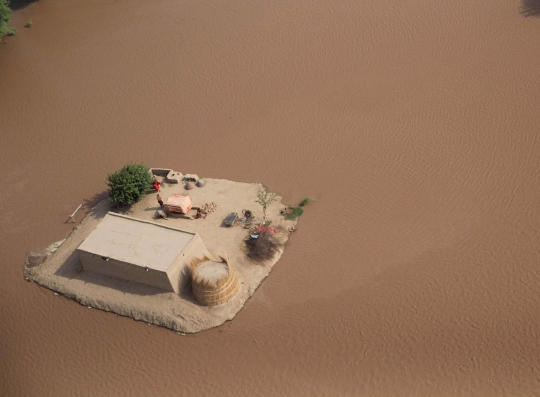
[214, 282]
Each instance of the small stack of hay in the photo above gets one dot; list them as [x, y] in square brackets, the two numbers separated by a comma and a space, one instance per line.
[209, 208]
[213, 282]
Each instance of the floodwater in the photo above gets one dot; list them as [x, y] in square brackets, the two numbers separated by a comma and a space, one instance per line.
[414, 124]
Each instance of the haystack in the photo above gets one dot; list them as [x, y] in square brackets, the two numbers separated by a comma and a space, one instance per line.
[214, 282]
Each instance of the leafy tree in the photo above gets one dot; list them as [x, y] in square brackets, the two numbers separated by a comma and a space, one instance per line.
[5, 16]
[130, 184]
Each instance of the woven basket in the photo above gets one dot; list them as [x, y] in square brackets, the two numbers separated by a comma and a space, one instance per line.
[214, 282]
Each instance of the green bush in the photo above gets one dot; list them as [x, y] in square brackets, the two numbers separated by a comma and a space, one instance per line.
[5, 17]
[11, 31]
[130, 184]
[294, 212]
[29, 24]
[306, 201]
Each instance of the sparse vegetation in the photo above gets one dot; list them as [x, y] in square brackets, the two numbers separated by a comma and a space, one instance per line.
[129, 185]
[306, 201]
[263, 247]
[265, 199]
[29, 24]
[5, 17]
[294, 212]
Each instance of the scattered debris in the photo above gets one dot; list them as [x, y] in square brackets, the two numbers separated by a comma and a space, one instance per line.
[201, 214]
[263, 247]
[230, 219]
[191, 178]
[262, 228]
[209, 208]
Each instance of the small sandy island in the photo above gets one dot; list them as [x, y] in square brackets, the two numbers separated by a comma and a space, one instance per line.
[59, 268]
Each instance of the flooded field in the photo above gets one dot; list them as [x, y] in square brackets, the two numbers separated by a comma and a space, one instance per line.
[415, 127]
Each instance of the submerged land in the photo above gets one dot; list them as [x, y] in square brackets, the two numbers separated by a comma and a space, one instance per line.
[59, 268]
[414, 124]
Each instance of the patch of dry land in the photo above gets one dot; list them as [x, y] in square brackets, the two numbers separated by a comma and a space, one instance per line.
[61, 270]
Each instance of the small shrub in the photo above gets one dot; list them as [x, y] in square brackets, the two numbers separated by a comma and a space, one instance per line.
[29, 24]
[264, 247]
[306, 201]
[294, 212]
[5, 17]
[11, 31]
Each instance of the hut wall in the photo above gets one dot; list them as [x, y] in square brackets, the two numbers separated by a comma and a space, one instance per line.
[125, 271]
[179, 272]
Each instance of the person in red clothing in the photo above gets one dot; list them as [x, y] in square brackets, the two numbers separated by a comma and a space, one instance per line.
[159, 200]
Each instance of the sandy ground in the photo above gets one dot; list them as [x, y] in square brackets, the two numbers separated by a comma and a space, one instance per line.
[62, 271]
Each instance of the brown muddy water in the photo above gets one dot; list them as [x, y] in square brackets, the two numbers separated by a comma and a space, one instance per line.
[415, 126]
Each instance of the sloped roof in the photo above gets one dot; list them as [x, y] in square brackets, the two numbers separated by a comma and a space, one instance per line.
[136, 241]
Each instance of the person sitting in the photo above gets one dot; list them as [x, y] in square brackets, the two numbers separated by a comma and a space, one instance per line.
[248, 215]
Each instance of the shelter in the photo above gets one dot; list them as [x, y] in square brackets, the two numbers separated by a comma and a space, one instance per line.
[179, 203]
[141, 251]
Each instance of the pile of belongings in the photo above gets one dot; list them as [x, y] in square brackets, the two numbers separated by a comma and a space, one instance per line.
[209, 208]
[262, 228]
[179, 203]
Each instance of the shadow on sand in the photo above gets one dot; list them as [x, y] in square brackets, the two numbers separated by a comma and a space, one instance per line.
[530, 8]
[95, 199]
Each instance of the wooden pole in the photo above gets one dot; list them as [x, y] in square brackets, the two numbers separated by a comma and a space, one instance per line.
[74, 212]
